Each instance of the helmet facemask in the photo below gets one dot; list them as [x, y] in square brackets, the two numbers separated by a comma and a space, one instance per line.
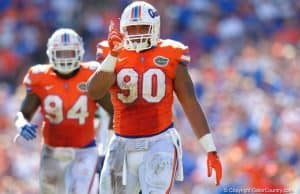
[139, 41]
[65, 60]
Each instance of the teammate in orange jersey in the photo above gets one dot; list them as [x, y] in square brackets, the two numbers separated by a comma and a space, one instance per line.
[142, 71]
[69, 153]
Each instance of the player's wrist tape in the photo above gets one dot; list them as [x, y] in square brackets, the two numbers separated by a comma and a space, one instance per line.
[109, 64]
[207, 143]
[20, 121]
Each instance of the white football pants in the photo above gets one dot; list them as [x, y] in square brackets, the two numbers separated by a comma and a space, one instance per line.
[148, 164]
[67, 170]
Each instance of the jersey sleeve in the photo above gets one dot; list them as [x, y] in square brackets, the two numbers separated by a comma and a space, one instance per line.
[102, 51]
[180, 52]
[184, 57]
[32, 80]
[183, 54]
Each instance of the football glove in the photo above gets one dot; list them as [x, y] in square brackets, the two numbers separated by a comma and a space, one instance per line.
[213, 162]
[115, 40]
[28, 131]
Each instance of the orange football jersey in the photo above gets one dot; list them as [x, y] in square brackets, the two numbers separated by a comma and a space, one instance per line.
[67, 109]
[142, 94]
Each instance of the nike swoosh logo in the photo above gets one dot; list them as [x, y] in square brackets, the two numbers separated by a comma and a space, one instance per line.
[49, 87]
[122, 59]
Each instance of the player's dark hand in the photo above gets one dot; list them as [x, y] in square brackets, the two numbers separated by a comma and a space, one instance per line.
[213, 162]
[115, 40]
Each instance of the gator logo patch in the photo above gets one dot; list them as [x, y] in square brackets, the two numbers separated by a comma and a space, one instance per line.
[161, 61]
[82, 86]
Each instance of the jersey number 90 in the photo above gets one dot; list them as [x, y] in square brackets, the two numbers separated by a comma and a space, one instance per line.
[152, 85]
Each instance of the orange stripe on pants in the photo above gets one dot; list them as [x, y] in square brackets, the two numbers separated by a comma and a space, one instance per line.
[173, 172]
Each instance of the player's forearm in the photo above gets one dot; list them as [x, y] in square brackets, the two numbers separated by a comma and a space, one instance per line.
[99, 84]
[29, 106]
[199, 124]
[24, 116]
[27, 116]
[197, 119]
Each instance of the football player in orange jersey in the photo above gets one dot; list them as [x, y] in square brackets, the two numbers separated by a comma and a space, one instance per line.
[69, 154]
[142, 71]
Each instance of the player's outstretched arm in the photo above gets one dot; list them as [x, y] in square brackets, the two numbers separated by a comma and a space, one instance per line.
[100, 82]
[184, 90]
[22, 122]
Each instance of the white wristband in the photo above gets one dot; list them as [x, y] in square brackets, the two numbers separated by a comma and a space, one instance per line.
[207, 143]
[109, 64]
[20, 121]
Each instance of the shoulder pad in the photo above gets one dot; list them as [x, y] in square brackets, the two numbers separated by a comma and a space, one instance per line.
[36, 74]
[173, 43]
[40, 68]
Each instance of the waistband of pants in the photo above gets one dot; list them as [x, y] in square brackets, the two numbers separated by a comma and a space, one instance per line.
[89, 145]
[150, 137]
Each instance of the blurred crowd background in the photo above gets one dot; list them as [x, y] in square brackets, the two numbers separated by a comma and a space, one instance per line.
[245, 66]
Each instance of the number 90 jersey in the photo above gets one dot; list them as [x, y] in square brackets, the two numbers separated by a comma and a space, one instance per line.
[142, 94]
[67, 110]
